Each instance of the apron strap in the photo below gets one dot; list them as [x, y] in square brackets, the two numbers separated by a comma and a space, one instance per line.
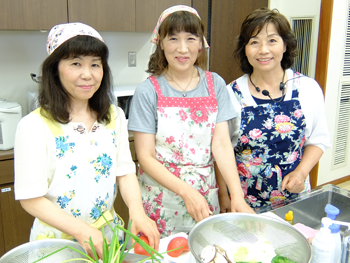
[98, 224]
[53, 125]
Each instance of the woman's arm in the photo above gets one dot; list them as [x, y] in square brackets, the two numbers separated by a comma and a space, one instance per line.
[52, 215]
[130, 191]
[224, 199]
[195, 203]
[226, 162]
[294, 181]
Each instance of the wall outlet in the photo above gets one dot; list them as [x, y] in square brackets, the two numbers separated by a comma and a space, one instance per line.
[132, 59]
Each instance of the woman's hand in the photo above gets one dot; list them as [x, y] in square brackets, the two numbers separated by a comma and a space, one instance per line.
[196, 204]
[142, 223]
[97, 240]
[238, 204]
[224, 201]
[294, 182]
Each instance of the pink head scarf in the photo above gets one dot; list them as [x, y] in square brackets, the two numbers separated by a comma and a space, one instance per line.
[170, 10]
[61, 33]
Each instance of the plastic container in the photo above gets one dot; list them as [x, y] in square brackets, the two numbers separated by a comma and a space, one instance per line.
[332, 213]
[289, 217]
[323, 244]
[345, 253]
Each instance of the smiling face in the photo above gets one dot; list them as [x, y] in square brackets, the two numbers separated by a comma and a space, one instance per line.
[81, 76]
[265, 50]
[181, 50]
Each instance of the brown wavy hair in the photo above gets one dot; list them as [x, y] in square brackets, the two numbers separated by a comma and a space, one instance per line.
[54, 99]
[253, 24]
[177, 22]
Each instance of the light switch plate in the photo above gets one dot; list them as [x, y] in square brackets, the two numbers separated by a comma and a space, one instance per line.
[132, 59]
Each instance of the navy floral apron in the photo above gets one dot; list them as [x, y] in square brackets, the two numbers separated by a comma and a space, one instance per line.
[270, 145]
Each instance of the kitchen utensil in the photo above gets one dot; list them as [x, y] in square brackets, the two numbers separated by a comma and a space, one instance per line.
[238, 229]
[32, 251]
[308, 208]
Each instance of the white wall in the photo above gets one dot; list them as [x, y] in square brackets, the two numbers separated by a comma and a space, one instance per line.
[302, 9]
[22, 52]
[335, 64]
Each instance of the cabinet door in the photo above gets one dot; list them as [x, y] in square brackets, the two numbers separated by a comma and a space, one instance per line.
[32, 14]
[148, 12]
[104, 15]
[226, 20]
[15, 221]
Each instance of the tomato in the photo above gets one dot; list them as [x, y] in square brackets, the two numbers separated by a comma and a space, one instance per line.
[140, 250]
[175, 243]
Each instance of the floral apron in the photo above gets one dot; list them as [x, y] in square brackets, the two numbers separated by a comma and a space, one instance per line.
[186, 153]
[84, 176]
[270, 145]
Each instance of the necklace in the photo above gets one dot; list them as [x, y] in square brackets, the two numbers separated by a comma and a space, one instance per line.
[184, 94]
[267, 93]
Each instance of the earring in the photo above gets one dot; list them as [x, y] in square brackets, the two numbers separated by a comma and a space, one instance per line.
[200, 50]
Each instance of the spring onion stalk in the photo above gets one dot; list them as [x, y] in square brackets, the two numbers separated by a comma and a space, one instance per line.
[114, 252]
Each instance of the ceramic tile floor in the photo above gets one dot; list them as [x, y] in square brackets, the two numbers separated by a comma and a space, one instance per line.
[345, 185]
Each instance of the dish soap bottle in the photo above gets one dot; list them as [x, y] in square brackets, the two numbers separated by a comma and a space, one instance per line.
[289, 217]
[332, 213]
[323, 244]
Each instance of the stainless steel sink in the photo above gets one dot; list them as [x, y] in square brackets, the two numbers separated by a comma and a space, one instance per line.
[308, 209]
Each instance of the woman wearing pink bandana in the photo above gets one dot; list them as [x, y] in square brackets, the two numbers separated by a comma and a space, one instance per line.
[179, 118]
[72, 154]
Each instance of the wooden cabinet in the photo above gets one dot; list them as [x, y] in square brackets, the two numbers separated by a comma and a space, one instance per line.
[15, 222]
[148, 12]
[226, 20]
[103, 15]
[119, 205]
[32, 14]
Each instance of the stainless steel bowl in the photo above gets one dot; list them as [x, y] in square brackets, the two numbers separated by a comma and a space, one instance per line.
[33, 251]
[231, 229]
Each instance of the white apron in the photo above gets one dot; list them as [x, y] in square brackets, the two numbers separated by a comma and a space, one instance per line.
[183, 145]
[85, 175]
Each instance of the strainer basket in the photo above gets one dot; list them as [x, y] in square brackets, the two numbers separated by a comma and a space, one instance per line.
[236, 229]
[32, 251]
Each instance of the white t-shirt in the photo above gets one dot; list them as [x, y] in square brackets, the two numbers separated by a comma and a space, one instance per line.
[312, 104]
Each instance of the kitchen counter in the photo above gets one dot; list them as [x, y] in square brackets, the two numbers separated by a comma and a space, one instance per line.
[6, 155]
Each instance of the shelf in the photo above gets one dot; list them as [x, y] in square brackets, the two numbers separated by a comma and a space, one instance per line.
[124, 90]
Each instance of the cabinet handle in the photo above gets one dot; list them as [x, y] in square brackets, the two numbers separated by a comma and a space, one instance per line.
[4, 190]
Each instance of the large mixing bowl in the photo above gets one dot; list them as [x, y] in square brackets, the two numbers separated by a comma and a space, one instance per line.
[231, 229]
[32, 251]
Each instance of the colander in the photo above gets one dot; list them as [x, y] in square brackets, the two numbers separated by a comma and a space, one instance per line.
[237, 229]
[32, 251]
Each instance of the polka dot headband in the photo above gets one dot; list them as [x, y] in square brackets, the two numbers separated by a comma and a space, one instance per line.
[165, 14]
[61, 33]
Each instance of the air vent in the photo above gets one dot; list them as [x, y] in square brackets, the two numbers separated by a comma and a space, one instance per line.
[346, 69]
[341, 139]
[302, 29]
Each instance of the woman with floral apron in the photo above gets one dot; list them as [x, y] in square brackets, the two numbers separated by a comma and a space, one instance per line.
[282, 132]
[72, 153]
[179, 119]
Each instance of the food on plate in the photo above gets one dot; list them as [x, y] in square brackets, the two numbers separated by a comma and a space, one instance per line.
[178, 242]
[140, 250]
[280, 259]
[215, 254]
[258, 252]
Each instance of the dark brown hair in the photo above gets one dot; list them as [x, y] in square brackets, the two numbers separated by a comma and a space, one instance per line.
[177, 22]
[252, 26]
[54, 99]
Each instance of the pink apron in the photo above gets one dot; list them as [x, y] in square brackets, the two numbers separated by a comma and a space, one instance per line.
[183, 145]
